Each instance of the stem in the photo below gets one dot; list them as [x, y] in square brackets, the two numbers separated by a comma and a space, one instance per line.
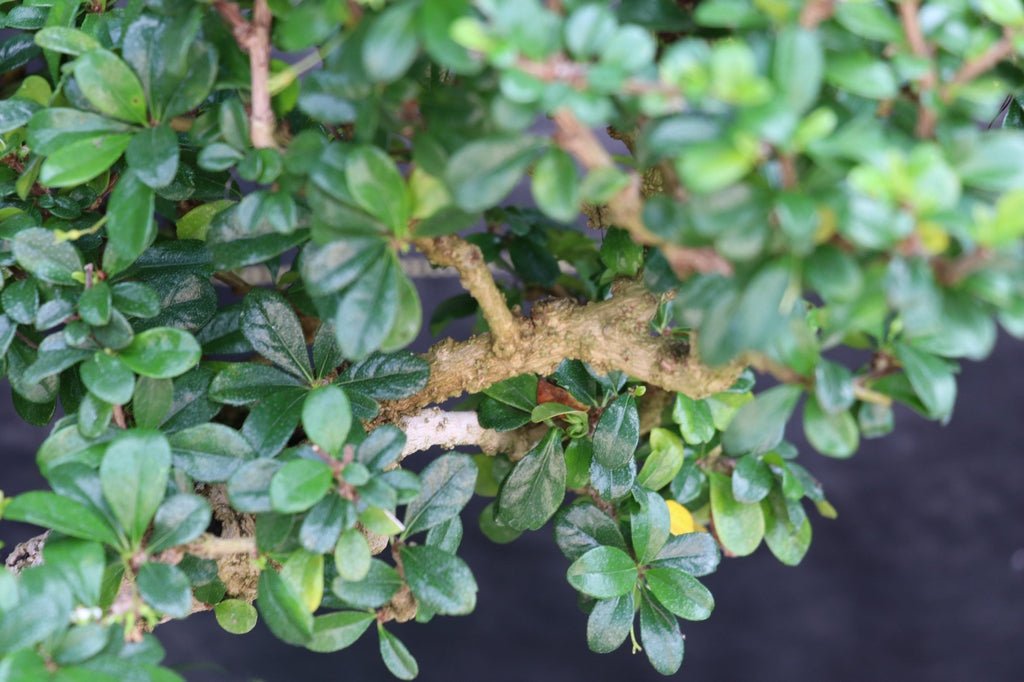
[926, 118]
[477, 279]
[979, 65]
[214, 547]
[282, 79]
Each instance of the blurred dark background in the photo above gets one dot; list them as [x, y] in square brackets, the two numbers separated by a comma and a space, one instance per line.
[921, 578]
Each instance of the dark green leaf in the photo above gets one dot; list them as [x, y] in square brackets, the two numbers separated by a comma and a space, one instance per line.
[617, 433]
[131, 226]
[680, 593]
[386, 376]
[931, 378]
[151, 401]
[273, 329]
[582, 527]
[446, 486]
[165, 588]
[373, 591]
[249, 486]
[180, 519]
[693, 553]
[397, 658]
[609, 623]
[273, 420]
[94, 304]
[209, 452]
[440, 581]
[659, 633]
[751, 480]
[535, 488]
[367, 310]
[603, 572]
[390, 45]
[153, 155]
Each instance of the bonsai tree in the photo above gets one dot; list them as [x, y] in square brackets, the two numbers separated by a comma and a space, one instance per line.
[204, 211]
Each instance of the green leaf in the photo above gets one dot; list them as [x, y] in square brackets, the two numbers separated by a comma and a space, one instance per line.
[397, 658]
[931, 378]
[38, 251]
[273, 420]
[534, 489]
[440, 581]
[80, 564]
[180, 519]
[299, 485]
[110, 86]
[94, 304]
[694, 419]
[787, 530]
[153, 155]
[209, 452]
[130, 227]
[304, 572]
[378, 187]
[751, 480]
[739, 526]
[798, 66]
[151, 401]
[693, 553]
[519, 392]
[14, 113]
[327, 417]
[51, 130]
[64, 515]
[579, 455]
[165, 588]
[65, 40]
[446, 486]
[162, 353]
[582, 527]
[617, 433]
[861, 73]
[382, 447]
[352, 555]
[282, 609]
[133, 476]
[236, 616]
[620, 253]
[273, 329]
[481, 173]
[660, 636]
[664, 462]
[338, 630]
[833, 387]
[248, 487]
[108, 378]
[1004, 12]
[82, 160]
[390, 45]
[555, 185]
[603, 572]
[610, 621]
[386, 376]
[373, 591]
[680, 593]
[649, 526]
[835, 435]
[368, 309]
[758, 426]
[244, 383]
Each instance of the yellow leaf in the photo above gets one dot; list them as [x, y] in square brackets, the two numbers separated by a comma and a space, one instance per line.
[680, 519]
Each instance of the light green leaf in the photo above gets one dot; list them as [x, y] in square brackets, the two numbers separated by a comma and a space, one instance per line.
[327, 417]
[133, 476]
[110, 85]
[162, 353]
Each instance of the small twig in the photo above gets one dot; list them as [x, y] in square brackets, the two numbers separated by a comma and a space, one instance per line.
[626, 207]
[27, 341]
[119, 418]
[981, 64]
[926, 118]
[237, 284]
[950, 272]
[214, 547]
[476, 277]
[253, 37]
[815, 12]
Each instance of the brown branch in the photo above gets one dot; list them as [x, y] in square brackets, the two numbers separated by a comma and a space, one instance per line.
[981, 64]
[950, 272]
[625, 209]
[476, 278]
[815, 12]
[609, 335]
[253, 38]
[926, 118]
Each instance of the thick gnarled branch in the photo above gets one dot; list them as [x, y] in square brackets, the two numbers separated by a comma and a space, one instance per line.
[433, 427]
[625, 209]
[609, 335]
